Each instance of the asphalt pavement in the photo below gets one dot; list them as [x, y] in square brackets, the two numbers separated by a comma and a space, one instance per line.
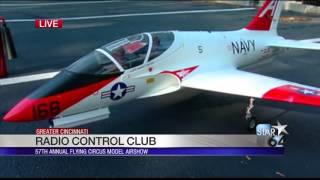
[184, 112]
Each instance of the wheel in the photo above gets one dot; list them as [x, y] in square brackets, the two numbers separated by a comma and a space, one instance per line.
[51, 125]
[251, 124]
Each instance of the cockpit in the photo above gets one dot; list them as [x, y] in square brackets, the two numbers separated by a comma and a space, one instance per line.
[123, 54]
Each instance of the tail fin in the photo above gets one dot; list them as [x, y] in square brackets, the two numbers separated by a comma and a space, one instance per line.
[268, 17]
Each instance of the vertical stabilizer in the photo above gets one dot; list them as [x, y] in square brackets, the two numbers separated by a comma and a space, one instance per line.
[268, 17]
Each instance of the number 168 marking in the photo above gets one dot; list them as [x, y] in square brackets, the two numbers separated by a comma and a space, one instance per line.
[45, 110]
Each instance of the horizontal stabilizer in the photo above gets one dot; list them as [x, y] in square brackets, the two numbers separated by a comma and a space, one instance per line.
[315, 40]
[294, 44]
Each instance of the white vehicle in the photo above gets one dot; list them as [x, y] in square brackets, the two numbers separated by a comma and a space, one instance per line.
[157, 63]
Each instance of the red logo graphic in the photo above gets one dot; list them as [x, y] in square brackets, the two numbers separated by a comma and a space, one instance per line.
[181, 73]
[48, 23]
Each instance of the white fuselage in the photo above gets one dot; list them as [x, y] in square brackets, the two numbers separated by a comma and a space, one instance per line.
[213, 51]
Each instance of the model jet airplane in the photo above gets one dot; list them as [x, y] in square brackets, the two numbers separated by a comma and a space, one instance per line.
[157, 63]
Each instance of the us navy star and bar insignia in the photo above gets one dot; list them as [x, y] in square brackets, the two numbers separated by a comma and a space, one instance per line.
[118, 91]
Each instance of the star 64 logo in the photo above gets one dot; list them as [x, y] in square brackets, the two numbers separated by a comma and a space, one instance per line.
[275, 134]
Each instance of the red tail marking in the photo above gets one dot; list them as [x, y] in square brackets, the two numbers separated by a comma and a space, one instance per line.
[263, 20]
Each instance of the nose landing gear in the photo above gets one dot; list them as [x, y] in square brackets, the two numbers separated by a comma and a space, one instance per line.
[51, 125]
[251, 120]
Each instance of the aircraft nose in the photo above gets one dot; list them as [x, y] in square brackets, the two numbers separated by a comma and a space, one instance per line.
[21, 112]
[54, 97]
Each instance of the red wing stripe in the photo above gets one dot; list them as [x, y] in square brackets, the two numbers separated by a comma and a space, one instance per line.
[294, 94]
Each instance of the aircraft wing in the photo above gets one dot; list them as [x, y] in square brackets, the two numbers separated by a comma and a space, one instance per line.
[312, 44]
[243, 83]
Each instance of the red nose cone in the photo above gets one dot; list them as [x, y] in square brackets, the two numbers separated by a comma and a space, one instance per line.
[21, 112]
[48, 101]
